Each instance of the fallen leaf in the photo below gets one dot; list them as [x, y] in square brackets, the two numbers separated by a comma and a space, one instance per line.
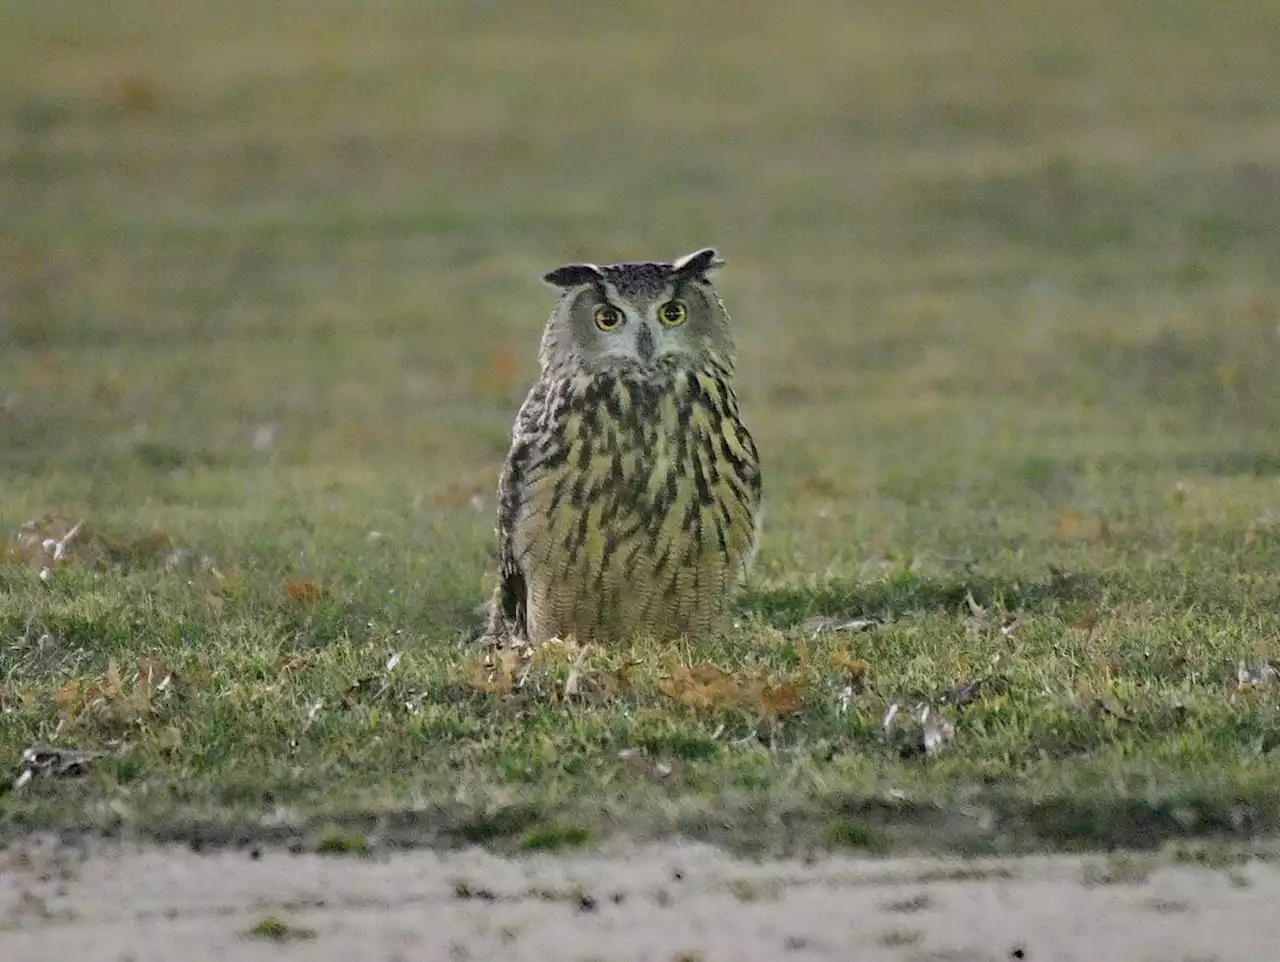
[852, 670]
[112, 684]
[479, 674]
[498, 671]
[708, 674]
[774, 701]
[137, 93]
[106, 704]
[1068, 525]
[504, 366]
[304, 592]
[68, 698]
[620, 677]
[287, 665]
[702, 688]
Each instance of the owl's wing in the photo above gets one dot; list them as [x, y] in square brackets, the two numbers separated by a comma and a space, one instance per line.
[751, 474]
[509, 604]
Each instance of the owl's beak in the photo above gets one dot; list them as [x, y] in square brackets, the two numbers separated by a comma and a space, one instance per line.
[645, 344]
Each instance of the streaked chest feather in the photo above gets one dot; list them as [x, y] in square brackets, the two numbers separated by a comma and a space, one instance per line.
[639, 501]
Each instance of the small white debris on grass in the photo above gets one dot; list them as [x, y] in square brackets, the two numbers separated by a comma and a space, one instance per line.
[1261, 674]
[264, 436]
[51, 762]
[825, 624]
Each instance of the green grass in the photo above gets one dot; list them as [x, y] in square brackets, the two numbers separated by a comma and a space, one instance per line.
[274, 930]
[1009, 319]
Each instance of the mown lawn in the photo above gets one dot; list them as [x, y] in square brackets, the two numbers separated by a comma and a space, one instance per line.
[1007, 294]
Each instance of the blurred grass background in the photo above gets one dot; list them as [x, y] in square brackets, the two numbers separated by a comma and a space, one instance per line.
[944, 230]
[1004, 278]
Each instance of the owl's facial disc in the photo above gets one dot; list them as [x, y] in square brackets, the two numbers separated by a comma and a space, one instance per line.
[640, 333]
[643, 313]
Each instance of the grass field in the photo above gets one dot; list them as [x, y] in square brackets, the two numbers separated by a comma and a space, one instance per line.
[1007, 293]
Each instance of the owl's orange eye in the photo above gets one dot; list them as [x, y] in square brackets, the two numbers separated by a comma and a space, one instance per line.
[608, 318]
[673, 313]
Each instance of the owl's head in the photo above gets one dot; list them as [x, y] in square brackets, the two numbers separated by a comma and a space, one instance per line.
[637, 314]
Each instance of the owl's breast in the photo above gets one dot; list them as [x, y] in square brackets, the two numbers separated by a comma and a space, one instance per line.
[640, 509]
[665, 465]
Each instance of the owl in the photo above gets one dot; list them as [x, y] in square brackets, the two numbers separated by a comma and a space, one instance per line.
[630, 499]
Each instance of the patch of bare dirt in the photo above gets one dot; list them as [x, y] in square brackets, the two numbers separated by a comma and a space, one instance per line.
[668, 903]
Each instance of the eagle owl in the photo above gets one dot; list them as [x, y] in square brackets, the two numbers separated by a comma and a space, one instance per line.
[630, 499]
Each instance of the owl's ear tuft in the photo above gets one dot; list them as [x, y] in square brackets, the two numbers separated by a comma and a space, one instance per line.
[573, 275]
[698, 263]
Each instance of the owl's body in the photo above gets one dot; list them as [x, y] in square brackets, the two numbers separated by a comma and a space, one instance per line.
[629, 501]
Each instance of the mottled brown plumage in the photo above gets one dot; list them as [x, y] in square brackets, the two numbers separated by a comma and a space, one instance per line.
[630, 498]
